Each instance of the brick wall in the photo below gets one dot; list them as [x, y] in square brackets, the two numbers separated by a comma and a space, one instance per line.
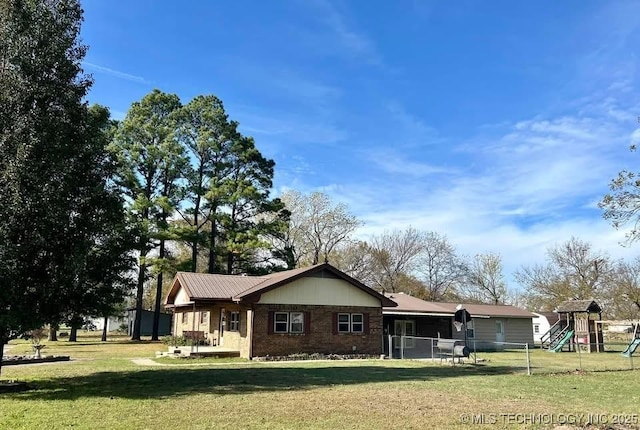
[320, 337]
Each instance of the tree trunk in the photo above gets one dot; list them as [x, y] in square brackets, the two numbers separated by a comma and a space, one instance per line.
[156, 310]
[139, 296]
[194, 244]
[194, 254]
[212, 244]
[73, 333]
[230, 263]
[2, 341]
[105, 329]
[53, 332]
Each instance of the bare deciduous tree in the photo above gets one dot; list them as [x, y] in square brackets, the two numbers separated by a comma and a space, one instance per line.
[354, 259]
[485, 280]
[624, 296]
[622, 205]
[573, 271]
[394, 254]
[317, 226]
[440, 269]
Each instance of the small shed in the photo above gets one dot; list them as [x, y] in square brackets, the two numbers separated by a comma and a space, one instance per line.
[581, 316]
[146, 326]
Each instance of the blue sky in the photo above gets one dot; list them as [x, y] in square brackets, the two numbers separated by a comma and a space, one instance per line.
[497, 123]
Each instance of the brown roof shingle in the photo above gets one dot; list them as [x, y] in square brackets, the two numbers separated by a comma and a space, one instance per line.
[579, 306]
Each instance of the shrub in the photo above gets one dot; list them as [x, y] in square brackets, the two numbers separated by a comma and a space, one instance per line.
[176, 341]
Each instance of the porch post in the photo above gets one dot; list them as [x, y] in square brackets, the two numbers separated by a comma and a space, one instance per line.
[193, 325]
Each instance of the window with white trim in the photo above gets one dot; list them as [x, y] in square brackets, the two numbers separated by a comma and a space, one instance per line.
[350, 323]
[536, 328]
[203, 317]
[234, 321]
[185, 317]
[344, 323]
[288, 322]
[296, 324]
[357, 323]
[280, 322]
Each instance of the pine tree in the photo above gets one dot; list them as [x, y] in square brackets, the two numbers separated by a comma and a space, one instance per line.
[146, 155]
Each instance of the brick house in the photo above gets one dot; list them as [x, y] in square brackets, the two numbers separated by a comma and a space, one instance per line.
[316, 309]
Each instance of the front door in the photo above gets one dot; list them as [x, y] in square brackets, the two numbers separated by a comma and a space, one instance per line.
[499, 331]
[405, 328]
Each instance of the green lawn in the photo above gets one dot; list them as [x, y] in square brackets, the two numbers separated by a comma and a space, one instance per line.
[104, 389]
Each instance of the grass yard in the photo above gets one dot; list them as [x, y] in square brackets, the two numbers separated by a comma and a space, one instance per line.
[104, 389]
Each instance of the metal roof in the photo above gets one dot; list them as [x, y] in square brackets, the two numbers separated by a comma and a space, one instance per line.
[204, 287]
[407, 303]
[208, 286]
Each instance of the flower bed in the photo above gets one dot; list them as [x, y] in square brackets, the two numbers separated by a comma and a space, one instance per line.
[300, 357]
[28, 359]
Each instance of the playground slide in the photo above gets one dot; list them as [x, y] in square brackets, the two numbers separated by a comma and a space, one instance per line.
[558, 346]
[632, 347]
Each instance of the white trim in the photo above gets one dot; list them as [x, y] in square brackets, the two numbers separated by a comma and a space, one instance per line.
[347, 322]
[276, 322]
[291, 322]
[354, 322]
[419, 314]
[435, 314]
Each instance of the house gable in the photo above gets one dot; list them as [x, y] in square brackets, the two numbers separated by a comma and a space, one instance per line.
[181, 297]
[319, 290]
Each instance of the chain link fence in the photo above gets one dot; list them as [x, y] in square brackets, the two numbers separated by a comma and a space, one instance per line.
[512, 357]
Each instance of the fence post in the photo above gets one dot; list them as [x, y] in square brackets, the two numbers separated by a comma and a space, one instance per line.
[579, 348]
[526, 348]
[432, 349]
[475, 353]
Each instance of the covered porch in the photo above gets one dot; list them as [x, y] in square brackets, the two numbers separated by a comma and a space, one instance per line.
[417, 332]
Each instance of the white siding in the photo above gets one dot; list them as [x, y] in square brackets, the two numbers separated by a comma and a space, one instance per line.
[319, 291]
[181, 297]
[543, 326]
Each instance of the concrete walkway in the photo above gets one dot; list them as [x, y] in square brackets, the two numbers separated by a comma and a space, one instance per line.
[150, 362]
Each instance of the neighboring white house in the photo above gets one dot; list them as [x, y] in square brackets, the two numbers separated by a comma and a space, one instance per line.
[540, 326]
[113, 324]
[542, 322]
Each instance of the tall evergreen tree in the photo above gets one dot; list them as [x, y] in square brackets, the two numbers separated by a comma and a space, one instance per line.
[247, 197]
[207, 134]
[146, 152]
[53, 188]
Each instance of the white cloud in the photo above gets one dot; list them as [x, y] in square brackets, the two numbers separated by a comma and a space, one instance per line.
[534, 185]
[355, 43]
[115, 73]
